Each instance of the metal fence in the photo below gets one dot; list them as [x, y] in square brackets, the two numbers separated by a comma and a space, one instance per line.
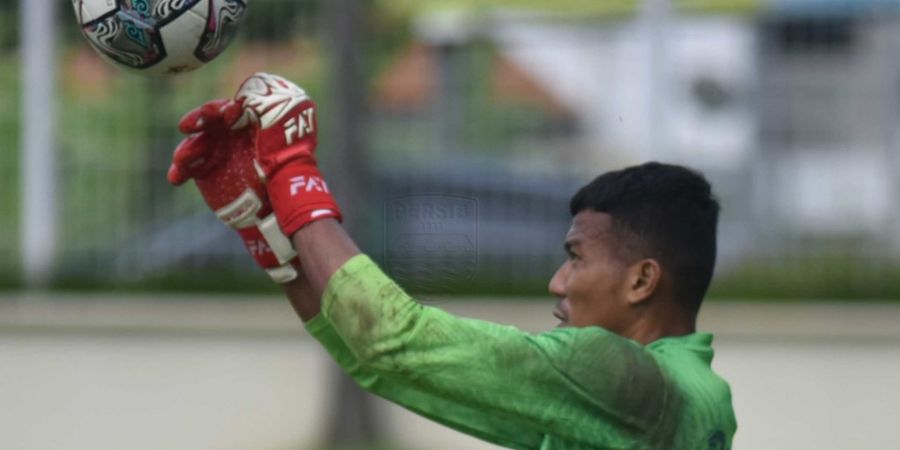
[499, 116]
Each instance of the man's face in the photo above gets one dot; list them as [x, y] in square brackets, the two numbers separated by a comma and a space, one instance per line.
[591, 284]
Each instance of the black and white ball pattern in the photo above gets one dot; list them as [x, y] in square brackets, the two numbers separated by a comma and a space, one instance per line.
[159, 37]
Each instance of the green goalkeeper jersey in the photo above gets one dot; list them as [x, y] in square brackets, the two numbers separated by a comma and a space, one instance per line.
[566, 389]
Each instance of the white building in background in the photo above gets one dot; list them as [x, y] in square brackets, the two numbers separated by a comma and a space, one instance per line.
[685, 95]
[605, 75]
[829, 104]
[793, 112]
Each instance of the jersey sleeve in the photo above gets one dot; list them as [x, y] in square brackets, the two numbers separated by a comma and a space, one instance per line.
[441, 411]
[585, 386]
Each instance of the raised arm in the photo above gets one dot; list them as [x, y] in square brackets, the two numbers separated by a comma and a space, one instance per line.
[494, 382]
[325, 246]
[283, 121]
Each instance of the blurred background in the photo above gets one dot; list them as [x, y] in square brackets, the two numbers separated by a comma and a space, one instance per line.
[130, 317]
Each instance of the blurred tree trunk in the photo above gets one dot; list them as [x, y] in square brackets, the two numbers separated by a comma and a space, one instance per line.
[354, 423]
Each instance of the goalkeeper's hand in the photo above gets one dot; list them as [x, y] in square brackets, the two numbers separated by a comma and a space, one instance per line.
[282, 120]
[220, 160]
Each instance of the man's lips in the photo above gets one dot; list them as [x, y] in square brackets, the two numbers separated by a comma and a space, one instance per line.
[558, 311]
[559, 315]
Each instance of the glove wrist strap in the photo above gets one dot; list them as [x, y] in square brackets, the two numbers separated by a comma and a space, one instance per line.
[270, 248]
[299, 196]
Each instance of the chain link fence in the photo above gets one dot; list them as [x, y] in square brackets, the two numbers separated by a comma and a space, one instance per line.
[478, 127]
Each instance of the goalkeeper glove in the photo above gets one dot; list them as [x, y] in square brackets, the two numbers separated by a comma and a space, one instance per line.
[220, 160]
[282, 119]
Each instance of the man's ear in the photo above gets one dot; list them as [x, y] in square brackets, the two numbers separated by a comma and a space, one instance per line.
[643, 280]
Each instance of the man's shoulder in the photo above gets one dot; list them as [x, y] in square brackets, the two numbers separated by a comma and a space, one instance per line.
[687, 362]
[619, 374]
[699, 399]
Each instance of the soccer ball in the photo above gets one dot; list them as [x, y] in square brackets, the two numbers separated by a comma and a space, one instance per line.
[159, 37]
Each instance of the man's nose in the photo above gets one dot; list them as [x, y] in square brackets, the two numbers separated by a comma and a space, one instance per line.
[558, 282]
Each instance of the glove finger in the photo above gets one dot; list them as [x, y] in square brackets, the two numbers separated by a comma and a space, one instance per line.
[187, 151]
[192, 152]
[198, 118]
[233, 114]
[213, 110]
[176, 176]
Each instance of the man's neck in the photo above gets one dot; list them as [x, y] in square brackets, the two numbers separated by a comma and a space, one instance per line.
[654, 327]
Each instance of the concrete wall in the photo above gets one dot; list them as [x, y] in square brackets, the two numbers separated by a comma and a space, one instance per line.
[164, 373]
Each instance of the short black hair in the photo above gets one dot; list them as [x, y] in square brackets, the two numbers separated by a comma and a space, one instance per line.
[661, 211]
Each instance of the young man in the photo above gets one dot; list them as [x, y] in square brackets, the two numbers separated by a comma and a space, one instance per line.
[625, 369]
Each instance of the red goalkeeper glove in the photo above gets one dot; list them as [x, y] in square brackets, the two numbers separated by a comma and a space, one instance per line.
[283, 121]
[220, 160]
